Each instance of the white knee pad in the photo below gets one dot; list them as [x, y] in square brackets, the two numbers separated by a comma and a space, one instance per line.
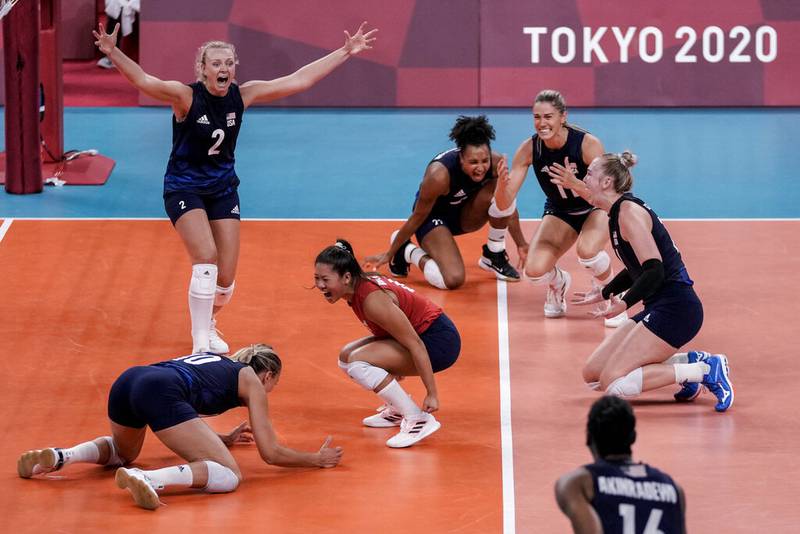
[433, 275]
[220, 478]
[223, 294]
[366, 375]
[114, 458]
[597, 265]
[628, 386]
[497, 213]
[204, 281]
[594, 386]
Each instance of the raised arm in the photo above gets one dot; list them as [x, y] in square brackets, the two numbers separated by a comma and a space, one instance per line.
[382, 310]
[251, 391]
[435, 183]
[574, 493]
[507, 190]
[260, 91]
[177, 94]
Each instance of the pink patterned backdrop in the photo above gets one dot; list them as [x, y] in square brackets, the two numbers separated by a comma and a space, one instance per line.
[464, 53]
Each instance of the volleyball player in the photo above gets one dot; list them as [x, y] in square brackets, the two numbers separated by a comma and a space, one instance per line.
[170, 398]
[411, 336]
[201, 184]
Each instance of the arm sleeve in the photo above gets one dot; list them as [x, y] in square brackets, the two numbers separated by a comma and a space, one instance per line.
[647, 284]
[620, 283]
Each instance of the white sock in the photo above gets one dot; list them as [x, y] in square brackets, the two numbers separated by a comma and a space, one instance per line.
[177, 475]
[497, 239]
[84, 453]
[202, 290]
[413, 254]
[690, 372]
[395, 396]
[678, 357]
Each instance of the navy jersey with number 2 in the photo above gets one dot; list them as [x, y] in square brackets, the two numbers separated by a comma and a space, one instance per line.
[203, 144]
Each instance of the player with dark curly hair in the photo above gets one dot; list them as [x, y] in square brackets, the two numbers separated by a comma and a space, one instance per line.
[456, 197]
[616, 494]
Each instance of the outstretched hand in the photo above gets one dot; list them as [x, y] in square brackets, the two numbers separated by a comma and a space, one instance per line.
[241, 434]
[613, 307]
[360, 41]
[105, 41]
[564, 176]
[372, 263]
[503, 176]
[580, 298]
[329, 456]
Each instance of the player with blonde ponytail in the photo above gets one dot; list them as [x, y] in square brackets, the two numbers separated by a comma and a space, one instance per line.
[642, 354]
[170, 397]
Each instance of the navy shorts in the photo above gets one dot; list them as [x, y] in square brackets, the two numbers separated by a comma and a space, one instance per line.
[450, 220]
[216, 206]
[153, 396]
[674, 314]
[443, 343]
[574, 220]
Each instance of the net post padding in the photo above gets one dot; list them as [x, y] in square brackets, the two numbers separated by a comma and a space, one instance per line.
[23, 164]
[52, 78]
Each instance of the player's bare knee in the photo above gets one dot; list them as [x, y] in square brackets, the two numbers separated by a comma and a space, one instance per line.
[537, 276]
[346, 351]
[454, 280]
[590, 374]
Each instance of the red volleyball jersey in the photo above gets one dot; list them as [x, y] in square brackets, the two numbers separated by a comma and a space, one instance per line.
[420, 311]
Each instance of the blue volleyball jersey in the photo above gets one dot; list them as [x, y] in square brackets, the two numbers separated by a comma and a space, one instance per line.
[203, 144]
[563, 199]
[462, 187]
[635, 498]
[674, 269]
[212, 381]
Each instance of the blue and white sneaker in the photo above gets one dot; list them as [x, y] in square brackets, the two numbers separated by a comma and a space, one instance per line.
[722, 388]
[691, 390]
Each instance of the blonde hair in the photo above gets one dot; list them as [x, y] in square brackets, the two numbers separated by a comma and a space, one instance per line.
[262, 358]
[552, 97]
[200, 60]
[618, 166]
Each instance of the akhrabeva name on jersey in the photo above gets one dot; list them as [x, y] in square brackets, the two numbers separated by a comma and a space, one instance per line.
[625, 487]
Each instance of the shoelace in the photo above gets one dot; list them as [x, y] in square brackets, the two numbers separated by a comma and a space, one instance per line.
[407, 425]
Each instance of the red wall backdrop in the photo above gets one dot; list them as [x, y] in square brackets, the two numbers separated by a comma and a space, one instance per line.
[464, 53]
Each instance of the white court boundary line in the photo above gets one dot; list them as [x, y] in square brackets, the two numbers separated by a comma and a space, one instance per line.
[246, 219]
[4, 227]
[507, 444]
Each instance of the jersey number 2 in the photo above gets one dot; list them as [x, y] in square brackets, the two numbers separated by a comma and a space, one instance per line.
[628, 513]
[219, 135]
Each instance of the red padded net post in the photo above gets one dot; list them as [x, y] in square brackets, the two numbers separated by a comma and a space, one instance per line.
[22, 164]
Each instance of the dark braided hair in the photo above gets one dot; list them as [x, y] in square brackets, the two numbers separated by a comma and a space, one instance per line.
[473, 131]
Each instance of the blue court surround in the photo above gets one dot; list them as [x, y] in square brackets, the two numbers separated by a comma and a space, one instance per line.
[367, 163]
